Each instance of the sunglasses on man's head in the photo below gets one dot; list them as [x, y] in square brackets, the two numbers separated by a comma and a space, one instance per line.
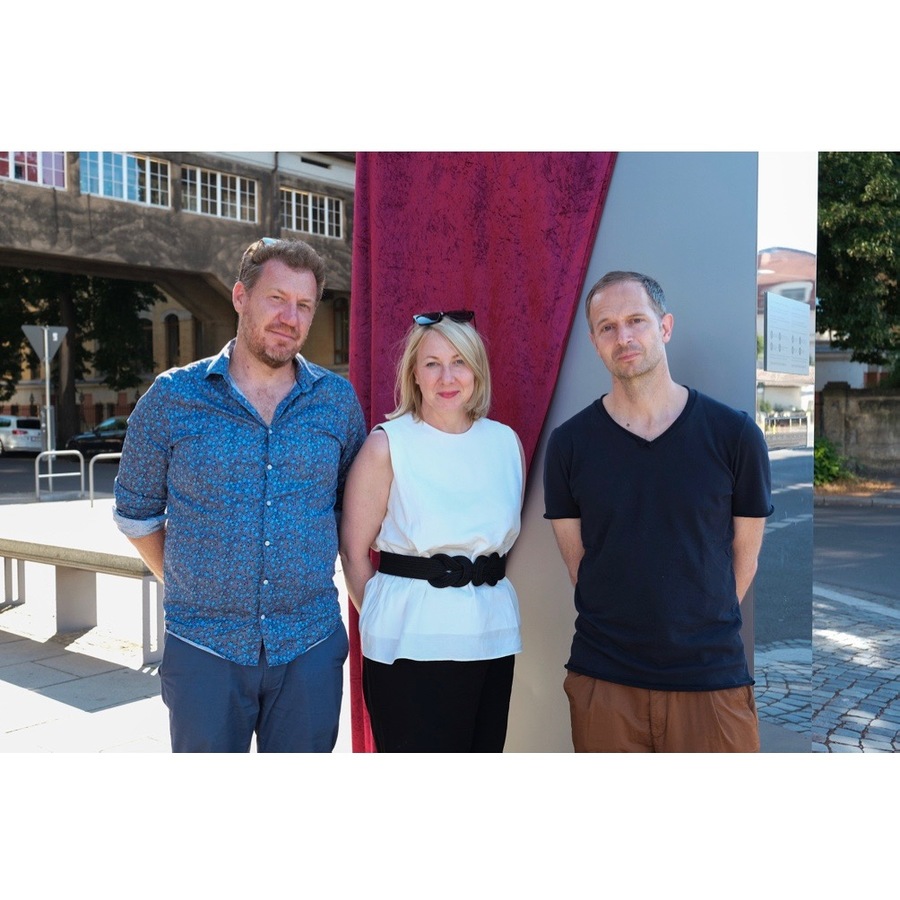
[258, 245]
[455, 315]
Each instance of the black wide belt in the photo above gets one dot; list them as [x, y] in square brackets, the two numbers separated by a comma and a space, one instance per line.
[442, 571]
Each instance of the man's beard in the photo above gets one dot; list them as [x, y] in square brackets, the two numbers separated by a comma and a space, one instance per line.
[257, 346]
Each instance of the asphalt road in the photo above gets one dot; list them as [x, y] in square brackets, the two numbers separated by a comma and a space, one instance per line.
[782, 590]
[859, 549]
[17, 481]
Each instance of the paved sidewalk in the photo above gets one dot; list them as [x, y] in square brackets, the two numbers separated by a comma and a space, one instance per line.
[89, 692]
[855, 701]
[89, 695]
[55, 700]
[85, 694]
[856, 671]
[784, 689]
[86, 691]
[61, 695]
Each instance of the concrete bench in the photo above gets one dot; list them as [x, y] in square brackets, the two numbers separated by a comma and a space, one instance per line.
[93, 572]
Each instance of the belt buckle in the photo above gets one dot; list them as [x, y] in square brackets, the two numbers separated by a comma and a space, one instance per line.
[458, 571]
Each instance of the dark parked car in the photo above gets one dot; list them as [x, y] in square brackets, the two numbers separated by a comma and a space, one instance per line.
[107, 437]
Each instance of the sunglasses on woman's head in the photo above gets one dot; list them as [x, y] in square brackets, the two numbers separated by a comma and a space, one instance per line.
[455, 315]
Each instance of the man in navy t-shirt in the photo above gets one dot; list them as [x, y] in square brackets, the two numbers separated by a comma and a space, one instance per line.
[658, 496]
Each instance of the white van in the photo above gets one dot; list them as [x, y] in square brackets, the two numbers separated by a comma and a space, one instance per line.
[20, 434]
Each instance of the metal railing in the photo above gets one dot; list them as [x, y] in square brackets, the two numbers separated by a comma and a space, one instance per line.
[91, 471]
[776, 421]
[783, 430]
[50, 455]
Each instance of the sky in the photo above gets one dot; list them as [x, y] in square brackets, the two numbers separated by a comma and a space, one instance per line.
[786, 223]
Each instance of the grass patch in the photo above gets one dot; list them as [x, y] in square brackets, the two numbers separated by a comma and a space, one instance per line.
[855, 486]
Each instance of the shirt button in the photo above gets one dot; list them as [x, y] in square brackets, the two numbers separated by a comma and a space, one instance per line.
[265, 580]
[268, 502]
[262, 617]
[269, 466]
[267, 543]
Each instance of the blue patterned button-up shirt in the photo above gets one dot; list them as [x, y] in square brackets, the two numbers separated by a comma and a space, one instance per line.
[249, 508]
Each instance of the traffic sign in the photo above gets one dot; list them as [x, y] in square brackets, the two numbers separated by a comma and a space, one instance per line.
[35, 335]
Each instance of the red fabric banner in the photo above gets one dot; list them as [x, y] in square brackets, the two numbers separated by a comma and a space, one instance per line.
[508, 235]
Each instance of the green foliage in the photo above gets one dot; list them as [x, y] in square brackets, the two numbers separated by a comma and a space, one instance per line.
[104, 309]
[11, 340]
[114, 323]
[42, 298]
[893, 378]
[859, 253]
[828, 464]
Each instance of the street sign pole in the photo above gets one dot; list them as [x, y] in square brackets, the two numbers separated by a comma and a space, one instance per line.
[46, 340]
[51, 445]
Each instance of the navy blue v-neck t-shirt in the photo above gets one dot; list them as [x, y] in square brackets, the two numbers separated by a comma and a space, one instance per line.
[655, 599]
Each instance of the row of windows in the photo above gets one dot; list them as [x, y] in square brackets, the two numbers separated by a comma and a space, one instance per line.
[312, 213]
[218, 194]
[125, 177]
[34, 167]
[142, 179]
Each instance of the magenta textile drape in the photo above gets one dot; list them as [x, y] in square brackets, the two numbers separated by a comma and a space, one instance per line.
[508, 235]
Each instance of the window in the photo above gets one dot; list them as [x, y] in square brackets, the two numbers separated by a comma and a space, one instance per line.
[173, 340]
[312, 213]
[123, 176]
[341, 331]
[147, 342]
[34, 167]
[218, 194]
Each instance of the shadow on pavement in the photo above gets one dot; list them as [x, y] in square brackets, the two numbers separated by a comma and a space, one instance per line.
[49, 669]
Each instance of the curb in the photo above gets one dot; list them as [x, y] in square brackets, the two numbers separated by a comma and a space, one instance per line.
[889, 501]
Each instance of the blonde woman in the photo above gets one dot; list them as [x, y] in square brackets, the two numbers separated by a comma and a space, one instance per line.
[437, 490]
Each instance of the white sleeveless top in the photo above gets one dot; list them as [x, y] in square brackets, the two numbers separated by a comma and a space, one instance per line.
[459, 494]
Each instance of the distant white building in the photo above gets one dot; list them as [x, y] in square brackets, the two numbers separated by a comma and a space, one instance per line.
[789, 273]
[833, 364]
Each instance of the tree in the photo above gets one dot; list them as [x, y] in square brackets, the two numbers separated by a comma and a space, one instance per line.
[859, 254]
[104, 310]
[12, 317]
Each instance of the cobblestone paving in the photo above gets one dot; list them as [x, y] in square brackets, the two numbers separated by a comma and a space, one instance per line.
[783, 684]
[856, 672]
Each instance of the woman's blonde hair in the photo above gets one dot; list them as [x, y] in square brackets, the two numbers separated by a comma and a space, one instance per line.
[467, 342]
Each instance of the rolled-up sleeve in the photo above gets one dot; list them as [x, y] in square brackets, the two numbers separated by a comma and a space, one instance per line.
[140, 488]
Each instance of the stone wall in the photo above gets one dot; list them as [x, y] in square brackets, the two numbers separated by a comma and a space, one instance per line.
[863, 424]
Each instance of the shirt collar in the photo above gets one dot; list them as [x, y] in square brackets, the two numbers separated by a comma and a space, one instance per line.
[305, 373]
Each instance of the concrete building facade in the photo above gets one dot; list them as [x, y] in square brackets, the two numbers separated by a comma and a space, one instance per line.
[179, 220]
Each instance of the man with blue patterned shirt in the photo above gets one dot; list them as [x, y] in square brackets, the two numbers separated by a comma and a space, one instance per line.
[230, 482]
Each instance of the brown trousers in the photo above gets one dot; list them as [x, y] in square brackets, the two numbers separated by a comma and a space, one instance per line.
[616, 718]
